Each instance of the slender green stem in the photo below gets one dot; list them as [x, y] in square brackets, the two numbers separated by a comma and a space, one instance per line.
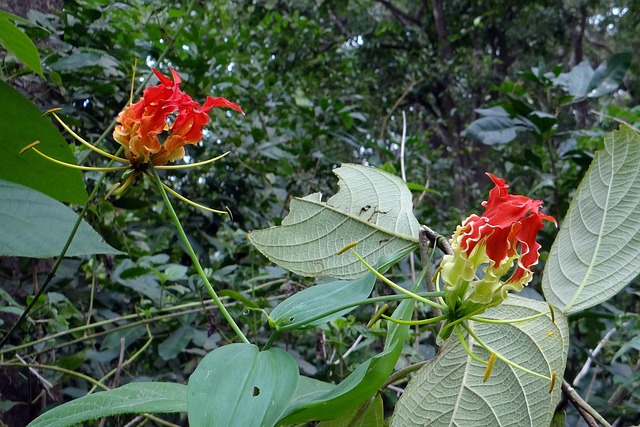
[500, 357]
[466, 347]
[194, 257]
[402, 373]
[504, 321]
[271, 340]
[397, 287]
[415, 322]
[355, 304]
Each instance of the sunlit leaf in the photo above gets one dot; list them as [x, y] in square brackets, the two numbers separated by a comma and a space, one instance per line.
[597, 251]
[449, 390]
[372, 208]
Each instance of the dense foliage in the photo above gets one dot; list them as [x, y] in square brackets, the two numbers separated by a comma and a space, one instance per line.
[524, 90]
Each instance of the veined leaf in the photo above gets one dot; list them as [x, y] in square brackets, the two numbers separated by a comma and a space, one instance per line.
[372, 208]
[597, 251]
[35, 225]
[449, 390]
[238, 385]
[133, 398]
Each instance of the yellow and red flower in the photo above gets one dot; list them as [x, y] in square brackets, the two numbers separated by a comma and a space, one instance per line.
[493, 253]
[164, 112]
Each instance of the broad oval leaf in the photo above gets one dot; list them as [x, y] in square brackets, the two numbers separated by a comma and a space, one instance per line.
[597, 251]
[494, 130]
[449, 390]
[22, 123]
[577, 81]
[315, 305]
[238, 385]
[133, 398]
[372, 207]
[35, 225]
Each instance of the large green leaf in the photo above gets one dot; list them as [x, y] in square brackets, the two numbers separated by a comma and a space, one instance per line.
[22, 123]
[597, 251]
[133, 398]
[449, 390]
[361, 384]
[37, 226]
[372, 207]
[238, 385]
[583, 81]
[18, 43]
[497, 126]
[319, 304]
[609, 75]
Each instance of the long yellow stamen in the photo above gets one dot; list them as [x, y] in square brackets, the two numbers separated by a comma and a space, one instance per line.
[487, 372]
[346, 248]
[133, 80]
[83, 142]
[377, 315]
[184, 199]
[69, 165]
[504, 359]
[191, 165]
[126, 183]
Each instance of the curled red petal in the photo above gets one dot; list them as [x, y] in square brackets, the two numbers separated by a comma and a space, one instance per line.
[220, 102]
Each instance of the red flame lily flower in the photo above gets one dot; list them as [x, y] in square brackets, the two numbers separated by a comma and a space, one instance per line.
[499, 246]
[141, 124]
